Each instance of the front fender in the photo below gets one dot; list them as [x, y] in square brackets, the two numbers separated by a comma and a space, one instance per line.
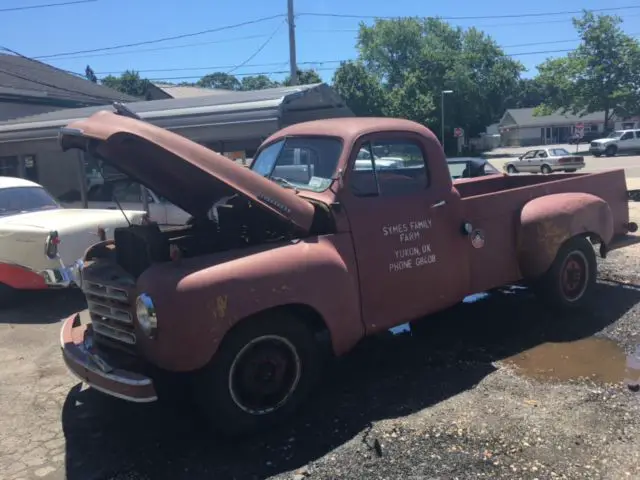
[547, 222]
[198, 300]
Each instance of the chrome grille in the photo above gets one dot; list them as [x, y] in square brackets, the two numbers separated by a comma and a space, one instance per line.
[110, 311]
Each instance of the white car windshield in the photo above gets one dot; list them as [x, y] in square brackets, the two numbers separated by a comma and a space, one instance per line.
[15, 200]
[308, 163]
[559, 152]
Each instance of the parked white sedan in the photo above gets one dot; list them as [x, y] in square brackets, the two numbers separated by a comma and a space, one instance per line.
[40, 241]
[545, 160]
[129, 195]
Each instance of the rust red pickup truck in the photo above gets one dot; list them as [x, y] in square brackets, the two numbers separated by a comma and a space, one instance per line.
[340, 229]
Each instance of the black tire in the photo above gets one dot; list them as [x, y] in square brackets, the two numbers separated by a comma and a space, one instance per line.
[546, 169]
[280, 345]
[611, 151]
[597, 155]
[570, 170]
[511, 169]
[7, 295]
[572, 276]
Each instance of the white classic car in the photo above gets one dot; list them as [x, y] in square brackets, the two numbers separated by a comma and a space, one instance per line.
[129, 195]
[40, 241]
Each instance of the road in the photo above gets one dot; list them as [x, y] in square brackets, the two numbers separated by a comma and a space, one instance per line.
[630, 164]
[501, 389]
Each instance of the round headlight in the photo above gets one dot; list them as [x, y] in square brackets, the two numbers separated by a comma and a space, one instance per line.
[146, 314]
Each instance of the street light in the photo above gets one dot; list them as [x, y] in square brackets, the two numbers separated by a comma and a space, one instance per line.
[444, 92]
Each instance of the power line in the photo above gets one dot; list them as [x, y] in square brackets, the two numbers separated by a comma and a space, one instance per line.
[45, 5]
[170, 47]
[165, 39]
[475, 17]
[260, 48]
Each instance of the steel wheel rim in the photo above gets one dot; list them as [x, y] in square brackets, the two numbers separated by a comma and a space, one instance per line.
[264, 374]
[574, 276]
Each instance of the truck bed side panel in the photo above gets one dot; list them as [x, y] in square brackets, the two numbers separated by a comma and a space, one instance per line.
[497, 212]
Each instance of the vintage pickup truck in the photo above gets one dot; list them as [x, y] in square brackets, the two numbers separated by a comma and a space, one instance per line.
[276, 273]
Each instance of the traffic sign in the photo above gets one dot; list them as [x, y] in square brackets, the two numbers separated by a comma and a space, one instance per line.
[580, 126]
[579, 129]
[458, 132]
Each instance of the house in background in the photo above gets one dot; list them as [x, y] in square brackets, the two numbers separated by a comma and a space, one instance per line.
[29, 87]
[519, 127]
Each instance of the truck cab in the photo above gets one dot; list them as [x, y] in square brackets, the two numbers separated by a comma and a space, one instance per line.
[294, 260]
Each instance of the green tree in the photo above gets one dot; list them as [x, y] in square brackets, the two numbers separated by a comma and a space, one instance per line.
[90, 74]
[602, 74]
[257, 82]
[305, 77]
[130, 83]
[220, 80]
[415, 59]
[360, 89]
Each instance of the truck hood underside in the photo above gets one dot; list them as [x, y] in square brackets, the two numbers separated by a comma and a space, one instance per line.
[188, 174]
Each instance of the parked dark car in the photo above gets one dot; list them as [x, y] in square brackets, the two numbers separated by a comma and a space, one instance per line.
[468, 167]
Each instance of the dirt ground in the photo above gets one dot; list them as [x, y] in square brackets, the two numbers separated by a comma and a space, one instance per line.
[499, 388]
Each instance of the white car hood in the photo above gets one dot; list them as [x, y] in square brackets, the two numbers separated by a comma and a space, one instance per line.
[61, 219]
[603, 141]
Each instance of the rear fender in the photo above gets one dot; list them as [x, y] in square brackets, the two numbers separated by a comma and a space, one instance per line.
[547, 222]
[199, 300]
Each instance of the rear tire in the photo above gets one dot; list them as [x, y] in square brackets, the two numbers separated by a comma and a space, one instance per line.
[611, 151]
[7, 295]
[264, 369]
[545, 169]
[571, 277]
[511, 170]
[570, 170]
[597, 155]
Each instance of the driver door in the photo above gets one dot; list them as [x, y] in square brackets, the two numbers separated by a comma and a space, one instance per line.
[527, 160]
[412, 259]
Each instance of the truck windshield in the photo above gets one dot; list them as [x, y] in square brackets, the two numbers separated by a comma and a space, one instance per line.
[308, 163]
[616, 134]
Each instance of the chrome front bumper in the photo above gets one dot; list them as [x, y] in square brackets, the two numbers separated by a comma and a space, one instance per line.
[86, 363]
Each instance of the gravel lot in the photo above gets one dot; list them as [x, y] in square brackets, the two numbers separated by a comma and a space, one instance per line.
[470, 393]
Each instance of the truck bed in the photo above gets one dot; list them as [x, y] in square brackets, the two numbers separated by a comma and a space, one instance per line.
[490, 202]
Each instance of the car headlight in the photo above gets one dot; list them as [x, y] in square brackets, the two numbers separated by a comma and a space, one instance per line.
[146, 314]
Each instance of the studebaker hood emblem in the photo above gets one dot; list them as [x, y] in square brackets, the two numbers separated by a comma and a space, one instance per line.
[187, 174]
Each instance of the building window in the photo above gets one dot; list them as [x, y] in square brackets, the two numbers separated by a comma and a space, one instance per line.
[9, 167]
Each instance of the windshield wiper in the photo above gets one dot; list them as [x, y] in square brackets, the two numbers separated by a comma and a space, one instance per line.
[284, 182]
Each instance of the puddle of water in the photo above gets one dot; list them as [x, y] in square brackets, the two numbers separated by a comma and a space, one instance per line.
[598, 359]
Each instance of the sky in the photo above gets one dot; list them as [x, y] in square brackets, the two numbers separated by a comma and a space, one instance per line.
[262, 47]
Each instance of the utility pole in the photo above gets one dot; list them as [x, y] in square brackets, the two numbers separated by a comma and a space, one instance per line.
[293, 66]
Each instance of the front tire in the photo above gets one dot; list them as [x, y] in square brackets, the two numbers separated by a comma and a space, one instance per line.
[511, 170]
[546, 169]
[572, 276]
[261, 374]
[611, 151]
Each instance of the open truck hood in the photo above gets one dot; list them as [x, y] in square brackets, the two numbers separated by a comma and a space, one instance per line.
[188, 174]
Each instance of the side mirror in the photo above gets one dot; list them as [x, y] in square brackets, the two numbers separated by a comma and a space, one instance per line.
[338, 177]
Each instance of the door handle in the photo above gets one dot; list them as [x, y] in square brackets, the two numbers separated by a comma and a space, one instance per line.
[439, 204]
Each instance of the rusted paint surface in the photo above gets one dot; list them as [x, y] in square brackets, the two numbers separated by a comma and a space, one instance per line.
[548, 221]
[199, 299]
[188, 174]
[391, 259]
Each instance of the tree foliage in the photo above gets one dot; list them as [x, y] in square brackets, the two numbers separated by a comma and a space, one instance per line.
[90, 74]
[130, 83]
[219, 80]
[305, 77]
[602, 74]
[413, 60]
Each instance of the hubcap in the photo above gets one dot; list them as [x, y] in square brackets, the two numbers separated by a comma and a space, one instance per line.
[574, 276]
[264, 374]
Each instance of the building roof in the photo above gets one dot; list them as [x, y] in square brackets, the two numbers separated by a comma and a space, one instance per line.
[524, 117]
[24, 77]
[232, 108]
[187, 91]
